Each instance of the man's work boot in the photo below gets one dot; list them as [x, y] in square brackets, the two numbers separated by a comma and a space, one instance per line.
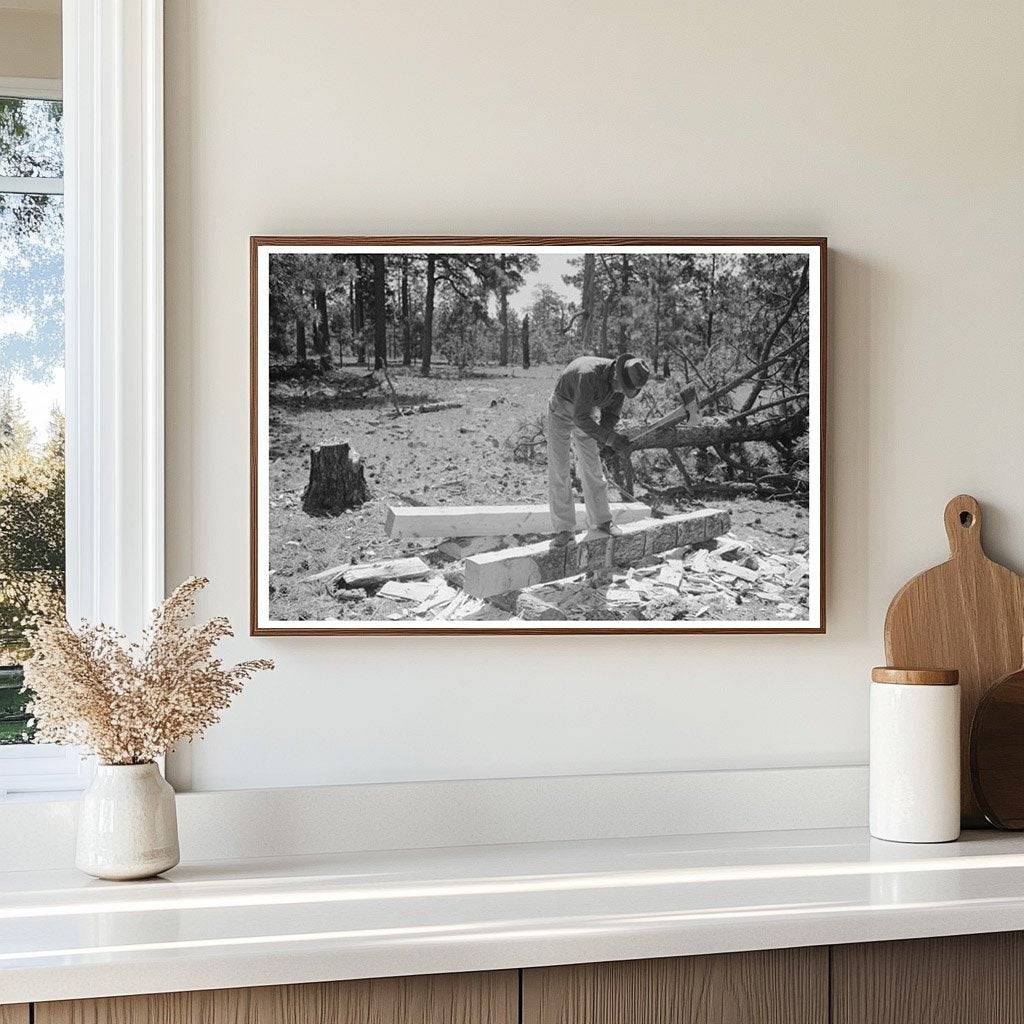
[609, 528]
[563, 539]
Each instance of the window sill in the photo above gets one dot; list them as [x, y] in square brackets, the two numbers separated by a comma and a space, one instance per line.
[42, 771]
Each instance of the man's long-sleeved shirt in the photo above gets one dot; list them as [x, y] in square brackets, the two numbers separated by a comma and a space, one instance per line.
[588, 383]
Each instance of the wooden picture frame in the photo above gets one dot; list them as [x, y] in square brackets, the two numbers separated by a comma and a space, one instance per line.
[263, 622]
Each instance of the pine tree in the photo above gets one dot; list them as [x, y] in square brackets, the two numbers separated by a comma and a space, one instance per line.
[31, 524]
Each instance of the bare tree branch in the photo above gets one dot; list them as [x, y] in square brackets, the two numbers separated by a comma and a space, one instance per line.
[721, 392]
[744, 413]
[766, 348]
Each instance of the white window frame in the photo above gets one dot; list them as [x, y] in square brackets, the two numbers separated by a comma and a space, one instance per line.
[114, 325]
[31, 89]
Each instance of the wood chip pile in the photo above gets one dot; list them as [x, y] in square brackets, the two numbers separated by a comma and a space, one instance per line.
[711, 580]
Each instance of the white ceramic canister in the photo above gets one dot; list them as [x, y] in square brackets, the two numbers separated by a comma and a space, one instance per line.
[915, 755]
[127, 825]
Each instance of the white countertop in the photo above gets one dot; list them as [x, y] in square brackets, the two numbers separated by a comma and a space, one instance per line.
[262, 922]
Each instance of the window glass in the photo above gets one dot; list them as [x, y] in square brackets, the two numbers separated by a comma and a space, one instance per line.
[31, 387]
[31, 138]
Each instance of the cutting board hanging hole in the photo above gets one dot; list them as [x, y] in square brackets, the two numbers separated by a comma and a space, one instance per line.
[963, 525]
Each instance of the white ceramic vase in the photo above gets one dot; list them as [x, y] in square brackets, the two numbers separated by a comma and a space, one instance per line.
[127, 825]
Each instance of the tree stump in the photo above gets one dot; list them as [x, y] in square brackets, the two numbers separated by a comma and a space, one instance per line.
[336, 480]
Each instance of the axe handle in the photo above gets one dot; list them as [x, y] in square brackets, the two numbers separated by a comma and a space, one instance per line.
[685, 412]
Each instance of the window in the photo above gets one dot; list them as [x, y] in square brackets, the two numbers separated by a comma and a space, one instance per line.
[32, 549]
[107, 143]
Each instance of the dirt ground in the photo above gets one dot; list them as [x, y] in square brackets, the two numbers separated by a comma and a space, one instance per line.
[452, 457]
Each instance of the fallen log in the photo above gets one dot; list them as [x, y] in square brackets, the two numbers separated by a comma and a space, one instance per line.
[497, 572]
[489, 520]
[723, 489]
[428, 407]
[710, 434]
[716, 489]
[780, 481]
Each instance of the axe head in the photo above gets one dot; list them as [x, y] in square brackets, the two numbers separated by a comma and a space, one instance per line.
[690, 403]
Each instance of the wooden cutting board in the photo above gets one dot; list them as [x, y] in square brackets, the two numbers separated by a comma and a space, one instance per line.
[997, 752]
[967, 614]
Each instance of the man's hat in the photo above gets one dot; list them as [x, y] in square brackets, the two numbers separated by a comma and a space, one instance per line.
[632, 373]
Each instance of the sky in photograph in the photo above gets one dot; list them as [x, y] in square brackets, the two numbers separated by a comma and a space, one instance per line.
[550, 273]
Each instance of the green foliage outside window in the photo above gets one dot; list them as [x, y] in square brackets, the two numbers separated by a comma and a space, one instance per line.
[31, 549]
[31, 356]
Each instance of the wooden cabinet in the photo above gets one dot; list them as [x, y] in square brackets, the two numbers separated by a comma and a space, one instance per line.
[490, 998]
[970, 979]
[777, 986]
[962, 979]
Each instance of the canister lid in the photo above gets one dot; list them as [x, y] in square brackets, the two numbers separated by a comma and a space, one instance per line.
[916, 676]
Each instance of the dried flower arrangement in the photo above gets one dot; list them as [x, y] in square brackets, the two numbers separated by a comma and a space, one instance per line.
[129, 703]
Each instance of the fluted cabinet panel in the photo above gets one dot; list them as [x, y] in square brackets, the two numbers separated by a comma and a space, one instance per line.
[777, 986]
[960, 979]
[480, 998]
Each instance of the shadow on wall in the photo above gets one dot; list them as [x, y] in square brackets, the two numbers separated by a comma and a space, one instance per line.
[853, 287]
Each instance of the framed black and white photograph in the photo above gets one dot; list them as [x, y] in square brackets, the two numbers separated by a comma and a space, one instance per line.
[537, 435]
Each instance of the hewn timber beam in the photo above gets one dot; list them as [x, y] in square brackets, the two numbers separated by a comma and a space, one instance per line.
[497, 572]
[709, 434]
[489, 520]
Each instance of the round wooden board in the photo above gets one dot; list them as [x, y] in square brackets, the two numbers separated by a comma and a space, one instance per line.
[997, 753]
[967, 614]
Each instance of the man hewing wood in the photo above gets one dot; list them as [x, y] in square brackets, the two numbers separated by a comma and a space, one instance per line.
[588, 386]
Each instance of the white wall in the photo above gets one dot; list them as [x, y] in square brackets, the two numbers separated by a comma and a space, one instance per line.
[895, 129]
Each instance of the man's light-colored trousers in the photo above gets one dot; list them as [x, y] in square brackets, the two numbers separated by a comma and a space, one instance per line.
[560, 431]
